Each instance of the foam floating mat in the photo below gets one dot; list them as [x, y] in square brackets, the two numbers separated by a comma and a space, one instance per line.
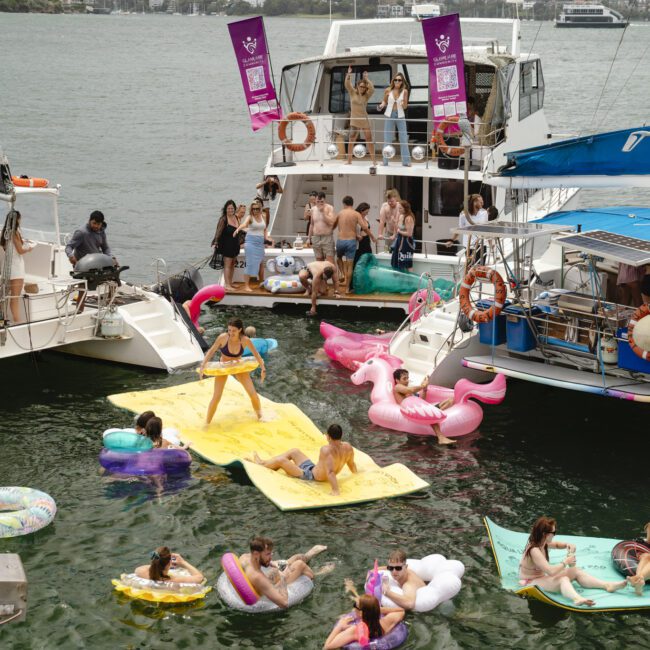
[235, 433]
[593, 554]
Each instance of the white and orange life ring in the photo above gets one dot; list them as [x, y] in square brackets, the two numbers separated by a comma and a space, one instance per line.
[472, 312]
[28, 181]
[438, 138]
[287, 142]
[641, 312]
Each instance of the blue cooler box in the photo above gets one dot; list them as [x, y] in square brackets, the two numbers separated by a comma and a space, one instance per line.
[627, 360]
[494, 332]
[519, 336]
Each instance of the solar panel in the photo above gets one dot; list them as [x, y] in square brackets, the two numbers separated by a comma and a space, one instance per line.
[619, 248]
[512, 229]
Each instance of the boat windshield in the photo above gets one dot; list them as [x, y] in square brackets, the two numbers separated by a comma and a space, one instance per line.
[298, 86]
[38, 219]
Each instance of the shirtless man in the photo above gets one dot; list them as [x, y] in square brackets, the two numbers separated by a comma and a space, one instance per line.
[389, 214]
[408, 581]
[321, 226]
[265, 574]
[314, 278]
[402, 390]
[348, 221]
[333, 457]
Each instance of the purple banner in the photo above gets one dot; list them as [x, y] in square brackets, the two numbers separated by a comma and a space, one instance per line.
[249, 40]
[444, 44]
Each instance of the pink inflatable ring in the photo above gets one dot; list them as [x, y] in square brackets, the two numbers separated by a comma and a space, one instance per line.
[237, 577]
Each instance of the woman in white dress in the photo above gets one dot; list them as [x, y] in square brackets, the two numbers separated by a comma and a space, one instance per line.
[16, 247]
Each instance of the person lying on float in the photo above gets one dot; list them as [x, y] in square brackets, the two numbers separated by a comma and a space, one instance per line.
[268, 578]
[332, 458]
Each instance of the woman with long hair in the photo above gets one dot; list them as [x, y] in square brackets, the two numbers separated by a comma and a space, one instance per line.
[162, 560]
[360, 95]
[396, 101]
[535, 569]
[378, 622]
[404, 247]
[267, 190]
[14, 245]
[256, 235]
[225, 241]
[231, 345]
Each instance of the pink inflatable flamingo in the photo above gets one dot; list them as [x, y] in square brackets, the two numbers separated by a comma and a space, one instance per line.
[214, 292]
[415, 415]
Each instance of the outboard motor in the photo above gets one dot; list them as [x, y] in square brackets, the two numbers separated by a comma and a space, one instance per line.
[184, 285]
[97, 268]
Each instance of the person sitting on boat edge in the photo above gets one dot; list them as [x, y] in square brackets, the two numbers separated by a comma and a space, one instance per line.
[535, 569]
[378, 622]
[89, 239]
[642, 572]
[332, 458]
[162, 560]
[314, 278]
[402, 390]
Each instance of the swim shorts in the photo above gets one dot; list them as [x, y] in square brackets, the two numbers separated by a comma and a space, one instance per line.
[307, 466]
[323, 246]
[346, 248]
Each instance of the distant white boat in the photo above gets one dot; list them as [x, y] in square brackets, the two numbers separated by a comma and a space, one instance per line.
[584, 13]
[427, 10]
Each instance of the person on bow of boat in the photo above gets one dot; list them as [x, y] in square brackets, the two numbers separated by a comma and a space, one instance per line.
[231, 345]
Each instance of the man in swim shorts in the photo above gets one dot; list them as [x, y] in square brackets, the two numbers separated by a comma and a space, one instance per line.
[314, 278]
[402, 390]
[321, 227]
[408, 581]
[333, 457]
[269, 578]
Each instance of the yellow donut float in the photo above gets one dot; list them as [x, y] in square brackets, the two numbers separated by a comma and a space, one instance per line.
[159, 592]
[219, 368]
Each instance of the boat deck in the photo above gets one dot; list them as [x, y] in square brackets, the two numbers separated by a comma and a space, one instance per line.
[260, 297]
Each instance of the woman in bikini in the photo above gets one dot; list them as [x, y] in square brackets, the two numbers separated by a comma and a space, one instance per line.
[162, 560]
[535, 569]
[231, 345]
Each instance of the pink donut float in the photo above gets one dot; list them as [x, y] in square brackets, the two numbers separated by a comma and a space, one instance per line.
[214, 292]
[237, 577]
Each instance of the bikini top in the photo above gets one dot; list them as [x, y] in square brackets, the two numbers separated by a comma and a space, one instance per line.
[228, 353]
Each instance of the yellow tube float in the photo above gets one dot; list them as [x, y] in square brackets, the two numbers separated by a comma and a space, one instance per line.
[154, 591]
[219, 368]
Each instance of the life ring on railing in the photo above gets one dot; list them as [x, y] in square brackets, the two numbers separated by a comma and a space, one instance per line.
[311, 132]
[481, 315]
[641, 312]
[438, 138]
[28, 181]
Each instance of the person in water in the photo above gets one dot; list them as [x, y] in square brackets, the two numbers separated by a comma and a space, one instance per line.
[643, 569]
[376, 622]
[271, 578]
[231, 345]
[153, 431]
[408, 581]
[333, 457]
[162, 560]
[535, 569]
[402, 390]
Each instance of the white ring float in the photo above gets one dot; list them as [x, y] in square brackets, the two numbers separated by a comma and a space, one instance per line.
[24, 510]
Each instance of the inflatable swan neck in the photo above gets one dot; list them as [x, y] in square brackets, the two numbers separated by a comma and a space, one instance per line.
[492, 393]
[212, 291]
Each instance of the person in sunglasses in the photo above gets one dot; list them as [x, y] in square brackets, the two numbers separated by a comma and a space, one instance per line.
[535, 568]
[256, 236]
[396, 100]
[360, 94]
[408, 581]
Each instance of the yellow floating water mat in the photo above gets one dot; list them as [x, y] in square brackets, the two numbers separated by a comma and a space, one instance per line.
[235, 433]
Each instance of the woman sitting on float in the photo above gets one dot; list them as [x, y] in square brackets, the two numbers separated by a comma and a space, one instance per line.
[162, 560]
[231, 345]
[369, 622]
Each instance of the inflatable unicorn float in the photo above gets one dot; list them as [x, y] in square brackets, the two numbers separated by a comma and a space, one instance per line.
[416, 415]
[350, 349]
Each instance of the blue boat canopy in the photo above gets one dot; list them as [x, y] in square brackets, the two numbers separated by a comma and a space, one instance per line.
[612, 159]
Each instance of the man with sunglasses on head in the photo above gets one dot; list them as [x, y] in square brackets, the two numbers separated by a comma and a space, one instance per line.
[408, 581]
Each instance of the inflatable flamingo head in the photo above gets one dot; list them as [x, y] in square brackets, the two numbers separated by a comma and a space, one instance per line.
[417, 300]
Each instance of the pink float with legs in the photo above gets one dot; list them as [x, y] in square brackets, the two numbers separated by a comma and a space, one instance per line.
[213, 292]
[415, 415]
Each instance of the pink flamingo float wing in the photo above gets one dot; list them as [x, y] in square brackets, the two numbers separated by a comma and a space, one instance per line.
[415, 415]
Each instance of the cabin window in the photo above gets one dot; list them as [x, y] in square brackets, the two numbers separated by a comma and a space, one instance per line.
[417, 75]
[531, 88]
[380, 76]
[446, 196]
[298, 87]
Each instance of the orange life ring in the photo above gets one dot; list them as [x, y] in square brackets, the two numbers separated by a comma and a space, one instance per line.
[641, 312]
[311, 132]
[28, 181]
[439, 138]
[480, 315]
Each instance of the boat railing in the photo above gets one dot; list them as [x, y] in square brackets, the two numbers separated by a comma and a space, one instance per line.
[325, 139]
[163, 276]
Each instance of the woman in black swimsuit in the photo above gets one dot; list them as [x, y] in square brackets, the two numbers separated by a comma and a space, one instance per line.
[365, 245]
[231, 345]
[226, 243]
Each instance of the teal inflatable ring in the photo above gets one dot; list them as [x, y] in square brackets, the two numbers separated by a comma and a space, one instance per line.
[24, 510]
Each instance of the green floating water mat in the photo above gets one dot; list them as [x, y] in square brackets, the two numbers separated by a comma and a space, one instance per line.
[593, 555]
